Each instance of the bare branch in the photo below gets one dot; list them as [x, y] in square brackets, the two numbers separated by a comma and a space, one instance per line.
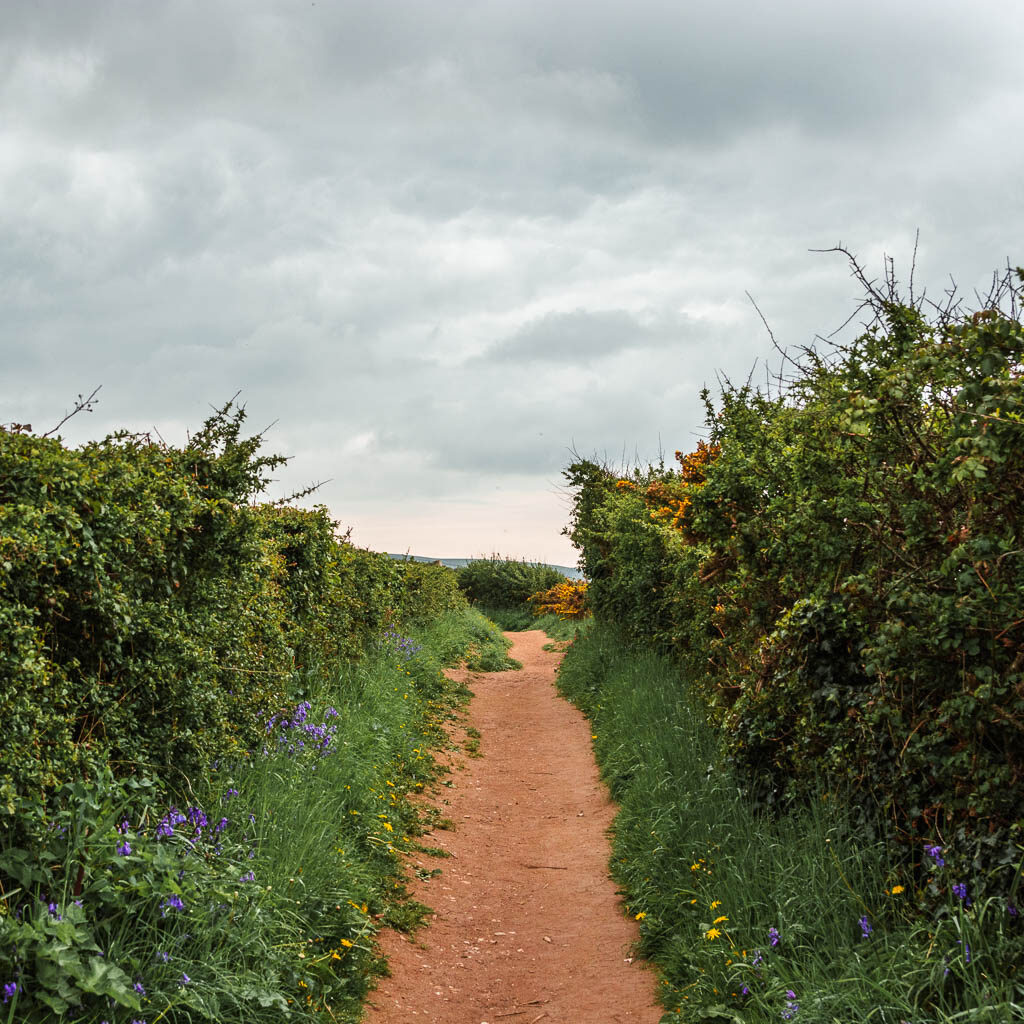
[81, 405]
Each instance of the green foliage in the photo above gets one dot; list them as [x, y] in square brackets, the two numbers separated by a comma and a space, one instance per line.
[470, 636]
[159, 627]
[840, 572]
[429, 590]
[517, 620]
[264, 890]
[739, 907]
[138, 593]
[497, 582]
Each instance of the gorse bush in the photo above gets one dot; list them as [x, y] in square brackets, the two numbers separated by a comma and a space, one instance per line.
[839, 568]
[566, 600]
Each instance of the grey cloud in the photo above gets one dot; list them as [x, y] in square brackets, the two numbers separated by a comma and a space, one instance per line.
[579, 336]
[443, 245]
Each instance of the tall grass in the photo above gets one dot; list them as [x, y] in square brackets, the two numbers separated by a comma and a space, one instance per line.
[523, 617]
[796, 915]
[256, 895]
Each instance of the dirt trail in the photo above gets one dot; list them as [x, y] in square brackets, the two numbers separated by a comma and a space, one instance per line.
[527, 926]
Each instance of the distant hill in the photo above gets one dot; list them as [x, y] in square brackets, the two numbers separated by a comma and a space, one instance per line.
[456, 563]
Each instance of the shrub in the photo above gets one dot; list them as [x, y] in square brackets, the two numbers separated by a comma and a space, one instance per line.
[566, 600]
[839, 568]
[429, 590]
[504, 582]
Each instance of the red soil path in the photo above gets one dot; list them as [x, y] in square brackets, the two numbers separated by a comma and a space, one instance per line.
[527, 926]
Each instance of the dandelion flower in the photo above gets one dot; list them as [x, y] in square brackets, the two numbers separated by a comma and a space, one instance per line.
[712, 933]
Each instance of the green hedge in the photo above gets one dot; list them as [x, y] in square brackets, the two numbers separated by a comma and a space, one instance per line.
[497, 582]
[153, 615]
[840, 569]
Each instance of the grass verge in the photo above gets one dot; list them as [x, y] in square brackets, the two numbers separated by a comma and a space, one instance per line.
[755, 918]
[256, 895]
[516, 620]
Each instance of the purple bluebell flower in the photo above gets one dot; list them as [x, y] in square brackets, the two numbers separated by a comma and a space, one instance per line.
[220, 826]
[773, 936]
[185, 979]
[758, 959]
[168, 822]
[10, 990]
[124, 849]
[54, 910]
[865, 927]
[173, 902]
[792, 1006]
[164, 956]
[138, 988]
[1012, 910]
[230, 793]
[249, 876]
[960, 891]
[935, 852]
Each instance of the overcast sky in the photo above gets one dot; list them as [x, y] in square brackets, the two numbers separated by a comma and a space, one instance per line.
[442, 244]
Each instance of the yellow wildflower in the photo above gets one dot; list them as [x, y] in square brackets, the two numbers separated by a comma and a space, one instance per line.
[897, 889]
[719, 920]
[641, 915]
[712, 933]
[716, 903]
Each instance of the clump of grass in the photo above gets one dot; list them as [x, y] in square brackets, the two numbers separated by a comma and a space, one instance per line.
[798, 914]
[471, 636]
[472, 742]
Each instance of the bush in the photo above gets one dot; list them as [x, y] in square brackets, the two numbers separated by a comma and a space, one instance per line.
[566, 600]
[429, 591]
[142, 603]
[154, 617]
[504, 582]
[175, 653]
[839, 569]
